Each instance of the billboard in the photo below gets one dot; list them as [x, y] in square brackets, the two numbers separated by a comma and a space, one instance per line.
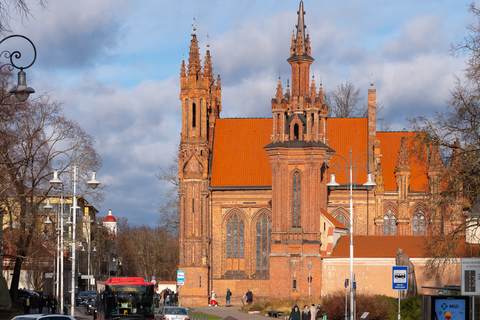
[457, 306]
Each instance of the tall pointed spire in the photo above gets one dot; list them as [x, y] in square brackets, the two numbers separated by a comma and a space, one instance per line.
[300, 48]
[300, 58]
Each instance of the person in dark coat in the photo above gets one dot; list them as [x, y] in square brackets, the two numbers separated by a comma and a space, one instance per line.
[26, 305]
[34, 302]
[295, 314]
[306, 313]
[249, 295]
[41, 303]
[227, 299]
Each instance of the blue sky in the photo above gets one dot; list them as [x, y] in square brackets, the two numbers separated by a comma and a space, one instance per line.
[115, 65]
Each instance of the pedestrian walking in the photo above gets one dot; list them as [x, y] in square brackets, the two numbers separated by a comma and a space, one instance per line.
[34, 302]
[295, 314]
[227, 299]
[41, 303]
[249, 295]
[313, 312]
[213, 301]
[306, 313]
[26, 305]
[54, 304]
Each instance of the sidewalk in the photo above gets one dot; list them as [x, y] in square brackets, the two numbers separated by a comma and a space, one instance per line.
[233, 311]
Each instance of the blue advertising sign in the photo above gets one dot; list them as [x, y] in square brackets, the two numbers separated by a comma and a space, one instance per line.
[400, 278]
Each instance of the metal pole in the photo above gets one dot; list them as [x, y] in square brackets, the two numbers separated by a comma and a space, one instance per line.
[346, 298]
[352, 316]
[399, 316]
[61, 254]
[88, 255]
[74, 225]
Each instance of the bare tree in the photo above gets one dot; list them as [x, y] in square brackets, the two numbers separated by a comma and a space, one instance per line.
[344, 100]
[148, 252]
[34, 135]
[452, 139]
[169, 209]
[9, 9]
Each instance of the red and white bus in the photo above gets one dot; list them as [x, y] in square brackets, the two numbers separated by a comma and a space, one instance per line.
[125, 297]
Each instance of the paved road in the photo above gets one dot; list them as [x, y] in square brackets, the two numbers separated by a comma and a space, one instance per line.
[220, 311]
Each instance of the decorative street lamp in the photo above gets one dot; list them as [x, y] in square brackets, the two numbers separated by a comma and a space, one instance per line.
[332, 185]
[21, 90]
[92, 183]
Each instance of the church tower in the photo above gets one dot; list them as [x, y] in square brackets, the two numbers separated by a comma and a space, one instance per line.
[201, 106]
[297, 154]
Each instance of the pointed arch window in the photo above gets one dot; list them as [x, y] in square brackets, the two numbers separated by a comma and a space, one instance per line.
[418, 223]
[345, 221]
[194, 115]
[389, 223]
[296, 131]
[235, 237]
[296, 199]
[263, 230]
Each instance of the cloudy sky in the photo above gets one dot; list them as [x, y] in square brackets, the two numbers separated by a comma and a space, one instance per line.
[115, 65]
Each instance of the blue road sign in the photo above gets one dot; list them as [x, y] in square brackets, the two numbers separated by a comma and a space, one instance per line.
[400, 278]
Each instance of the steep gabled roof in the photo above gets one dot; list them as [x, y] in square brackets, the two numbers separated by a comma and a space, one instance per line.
[389, 146]
[239, 158]
[380, 246]
[337, 224]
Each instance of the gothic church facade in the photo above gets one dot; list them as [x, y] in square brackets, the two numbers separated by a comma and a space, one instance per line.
[255, 209]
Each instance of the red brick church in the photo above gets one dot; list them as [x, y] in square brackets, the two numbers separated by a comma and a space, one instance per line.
[255, 209]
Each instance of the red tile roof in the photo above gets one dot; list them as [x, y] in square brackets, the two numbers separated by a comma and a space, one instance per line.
[379, 246]
[239, 159]
[238, 156]
[337, 224]
[389, 146]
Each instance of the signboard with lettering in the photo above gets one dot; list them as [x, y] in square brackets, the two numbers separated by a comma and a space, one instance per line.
[470, 276]
[400, 278]
[180, 278]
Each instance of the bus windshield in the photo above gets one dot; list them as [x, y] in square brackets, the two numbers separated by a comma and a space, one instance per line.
[131, 300]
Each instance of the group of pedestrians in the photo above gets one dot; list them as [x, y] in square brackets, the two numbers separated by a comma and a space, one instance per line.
[35, 304]
[167, 297]
[247, 297]
[308, 313]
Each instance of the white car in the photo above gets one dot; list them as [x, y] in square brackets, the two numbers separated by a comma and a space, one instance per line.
[44, 317]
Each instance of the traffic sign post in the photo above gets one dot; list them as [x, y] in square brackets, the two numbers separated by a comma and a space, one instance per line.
[180, 283]
[399, 282]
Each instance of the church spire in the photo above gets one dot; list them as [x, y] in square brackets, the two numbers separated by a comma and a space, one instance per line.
[300, 48]
[300, 58]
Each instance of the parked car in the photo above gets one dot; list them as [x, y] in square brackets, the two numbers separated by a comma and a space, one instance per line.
[44, 317]
[23, 293]
[84, 295]
[172, 313]
[89, 306]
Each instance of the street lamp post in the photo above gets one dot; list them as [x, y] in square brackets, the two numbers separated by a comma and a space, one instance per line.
[332, 185]
[93, 183]
[21, 90]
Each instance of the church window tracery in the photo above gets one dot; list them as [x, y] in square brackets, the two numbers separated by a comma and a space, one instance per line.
[418, 223]
[389, 223]
[262, 234]
[344, 220]
[235, 237]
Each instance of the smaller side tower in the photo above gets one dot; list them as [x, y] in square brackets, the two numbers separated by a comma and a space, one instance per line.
[201, 106]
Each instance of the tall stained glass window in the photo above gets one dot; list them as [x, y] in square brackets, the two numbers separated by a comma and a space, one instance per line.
[235, 237]
[389, 223]
[296, 199]
[262, 233]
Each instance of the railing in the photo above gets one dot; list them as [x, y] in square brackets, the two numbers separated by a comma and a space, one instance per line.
[197, 315]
